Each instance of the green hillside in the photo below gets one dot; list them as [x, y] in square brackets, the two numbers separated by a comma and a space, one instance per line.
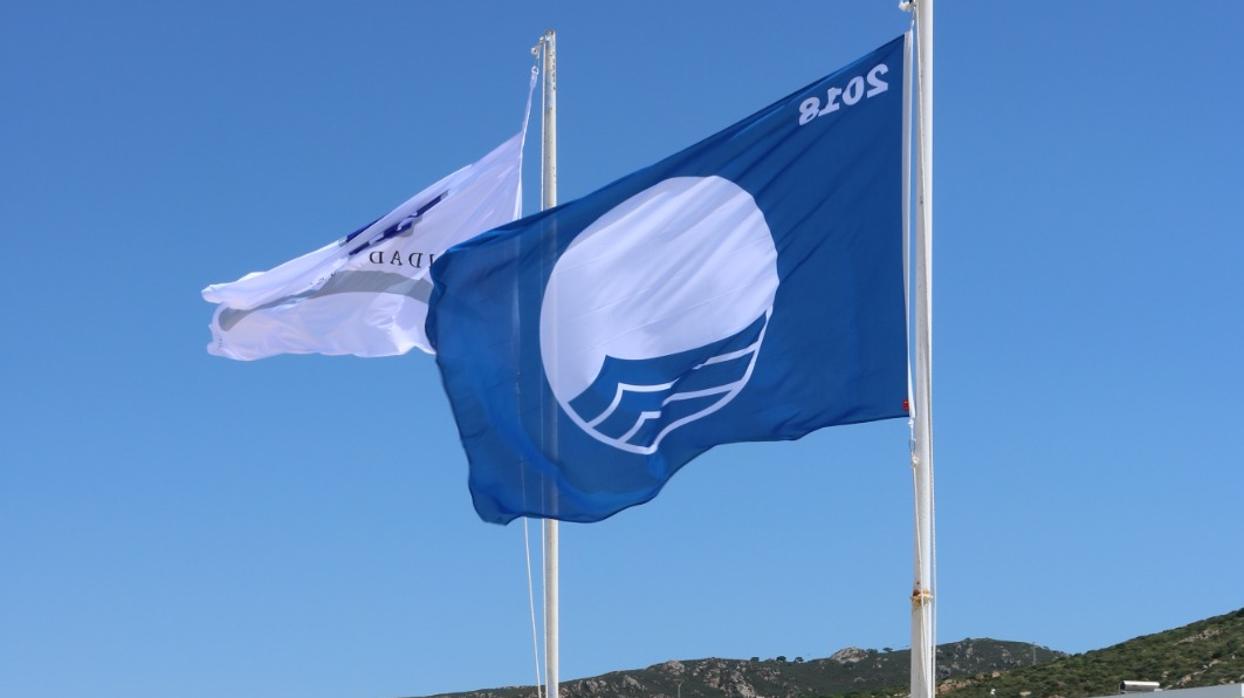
[1204, 653]
[849, 670]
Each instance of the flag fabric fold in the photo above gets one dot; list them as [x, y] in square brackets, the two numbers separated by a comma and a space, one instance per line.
[748, 288]
[366, 294]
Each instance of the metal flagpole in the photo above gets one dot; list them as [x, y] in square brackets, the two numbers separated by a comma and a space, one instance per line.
[548, 181]
[923, 628]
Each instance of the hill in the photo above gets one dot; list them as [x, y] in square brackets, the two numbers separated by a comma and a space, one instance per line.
[1205, 653]
[848, 671]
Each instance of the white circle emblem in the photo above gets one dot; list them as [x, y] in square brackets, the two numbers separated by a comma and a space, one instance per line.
[654, 315]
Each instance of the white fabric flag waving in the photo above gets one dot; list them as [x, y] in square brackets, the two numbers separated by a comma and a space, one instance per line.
[366, 294]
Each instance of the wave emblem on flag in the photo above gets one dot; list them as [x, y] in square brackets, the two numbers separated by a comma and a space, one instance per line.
[652, 321]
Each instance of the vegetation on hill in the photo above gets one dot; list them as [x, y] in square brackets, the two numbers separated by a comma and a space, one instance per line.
[849, 670]
[1205, 653]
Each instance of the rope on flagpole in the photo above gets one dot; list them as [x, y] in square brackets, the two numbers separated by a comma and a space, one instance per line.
[531, 597]
[531, 607]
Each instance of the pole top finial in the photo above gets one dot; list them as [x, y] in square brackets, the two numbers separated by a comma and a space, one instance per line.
[548, 35]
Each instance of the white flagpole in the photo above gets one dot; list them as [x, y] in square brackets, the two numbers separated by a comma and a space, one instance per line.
[923, 627]
[548, 177]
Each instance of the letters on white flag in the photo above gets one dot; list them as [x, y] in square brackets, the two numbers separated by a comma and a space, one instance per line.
[366, 294]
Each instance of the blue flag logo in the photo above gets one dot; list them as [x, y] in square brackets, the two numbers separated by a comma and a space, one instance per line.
[659, 345]
[748, 288]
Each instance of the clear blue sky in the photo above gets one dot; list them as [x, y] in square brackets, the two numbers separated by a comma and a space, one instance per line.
[177, 524]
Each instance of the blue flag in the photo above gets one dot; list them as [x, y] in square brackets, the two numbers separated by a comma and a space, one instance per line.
[748, 288]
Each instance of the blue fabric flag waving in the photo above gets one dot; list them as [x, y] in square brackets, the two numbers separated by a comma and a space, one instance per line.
[748, 288]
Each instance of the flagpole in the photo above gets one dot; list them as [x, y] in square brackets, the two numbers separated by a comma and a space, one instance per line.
[548, 188]
[923, 620]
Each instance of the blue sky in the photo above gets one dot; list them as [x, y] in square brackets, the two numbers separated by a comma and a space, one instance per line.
[175, 523]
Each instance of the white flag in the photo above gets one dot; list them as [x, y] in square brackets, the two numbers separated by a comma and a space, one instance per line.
[367, 293]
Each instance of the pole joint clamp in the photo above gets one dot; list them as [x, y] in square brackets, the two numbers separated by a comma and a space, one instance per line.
[921, 598]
